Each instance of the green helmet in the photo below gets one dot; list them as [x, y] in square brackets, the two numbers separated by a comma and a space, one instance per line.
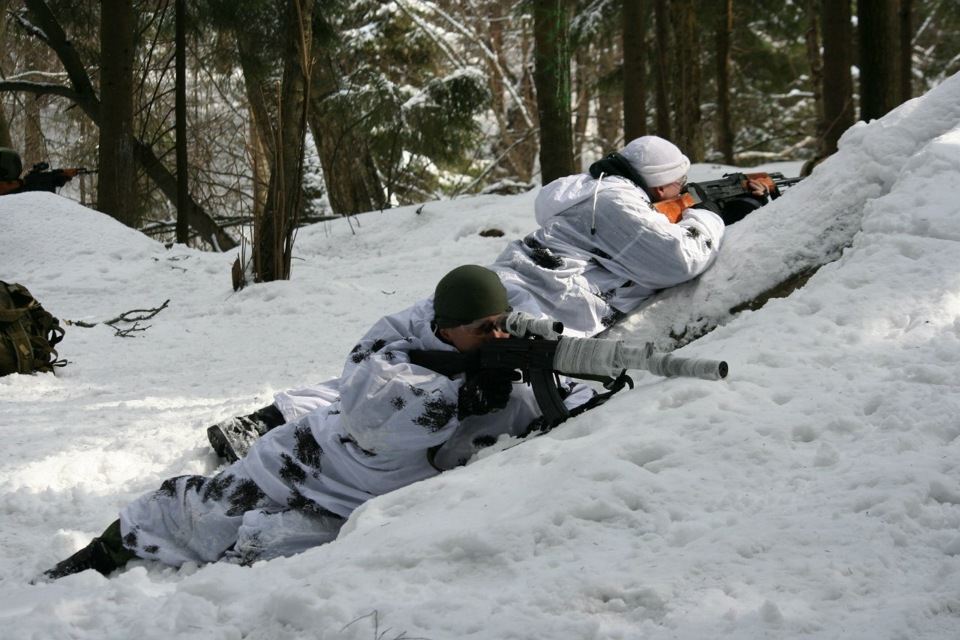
[466, 294]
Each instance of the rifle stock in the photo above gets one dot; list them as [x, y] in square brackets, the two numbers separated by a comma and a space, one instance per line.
[674, 207]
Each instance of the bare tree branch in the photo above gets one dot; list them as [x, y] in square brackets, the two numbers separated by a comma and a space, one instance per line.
[38, 88]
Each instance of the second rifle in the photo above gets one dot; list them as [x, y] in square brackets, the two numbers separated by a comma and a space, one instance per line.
[731, 186]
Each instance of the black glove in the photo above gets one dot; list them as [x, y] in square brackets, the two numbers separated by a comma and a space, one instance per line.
[485, 391]
[736, 209]
[708, 205]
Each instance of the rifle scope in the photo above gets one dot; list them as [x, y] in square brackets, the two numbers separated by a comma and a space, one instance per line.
[524, 325]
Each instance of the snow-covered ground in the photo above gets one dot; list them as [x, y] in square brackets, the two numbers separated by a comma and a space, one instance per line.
[815, 493]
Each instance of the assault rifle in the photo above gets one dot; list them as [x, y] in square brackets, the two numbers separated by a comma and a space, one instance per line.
[536, 349]
[728, 189]
[43, 178]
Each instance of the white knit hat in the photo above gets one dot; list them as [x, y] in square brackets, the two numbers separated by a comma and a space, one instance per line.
[659, 161]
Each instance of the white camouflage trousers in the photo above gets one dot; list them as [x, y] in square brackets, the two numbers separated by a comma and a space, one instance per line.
[222, 517]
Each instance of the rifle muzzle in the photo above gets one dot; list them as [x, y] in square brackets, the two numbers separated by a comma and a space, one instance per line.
[665, 364]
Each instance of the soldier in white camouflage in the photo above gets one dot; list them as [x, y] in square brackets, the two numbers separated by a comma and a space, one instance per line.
[392, 423]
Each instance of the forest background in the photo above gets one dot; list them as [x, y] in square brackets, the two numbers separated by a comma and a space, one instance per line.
[224, 122]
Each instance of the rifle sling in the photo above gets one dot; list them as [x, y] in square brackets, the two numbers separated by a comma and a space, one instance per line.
[618, 384]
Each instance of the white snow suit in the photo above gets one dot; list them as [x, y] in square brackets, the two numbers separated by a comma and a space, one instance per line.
[393, 424]
[602, 249]
[588, 281]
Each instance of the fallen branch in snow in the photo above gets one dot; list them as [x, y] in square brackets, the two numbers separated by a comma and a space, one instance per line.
[126, 333]
[126, 316]
[374, 617]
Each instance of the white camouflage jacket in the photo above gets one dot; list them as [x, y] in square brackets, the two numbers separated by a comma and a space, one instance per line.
[370, 431]
[602, 249]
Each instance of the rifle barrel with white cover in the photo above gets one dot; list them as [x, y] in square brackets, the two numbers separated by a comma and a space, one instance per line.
[592, 356]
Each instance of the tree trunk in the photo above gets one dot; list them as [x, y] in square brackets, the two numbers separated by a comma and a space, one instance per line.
[552, 80]
[5, 140]
[725, 133]
[183, 186]
[274, 230]
[116, 186]
[259, 95]
[815, 60]
[906, 50]
[583, 89]
[689, 133]
[262, 142]
[349, 172]
[512, 99]
[525, 148]
[260, 166]
[663, 69]
[32, 151]
[609, 100]
[32, 147]
[634, 16]
[879, 57]
[838, 111]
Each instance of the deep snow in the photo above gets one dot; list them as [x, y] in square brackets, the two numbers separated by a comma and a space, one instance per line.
[815, 493]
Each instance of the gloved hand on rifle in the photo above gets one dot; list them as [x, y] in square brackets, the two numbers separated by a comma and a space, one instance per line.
[484, 390]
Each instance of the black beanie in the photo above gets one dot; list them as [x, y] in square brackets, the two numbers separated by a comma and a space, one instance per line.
[466, 294]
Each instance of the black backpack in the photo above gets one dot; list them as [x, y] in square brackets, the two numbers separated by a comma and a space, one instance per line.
[28, 333]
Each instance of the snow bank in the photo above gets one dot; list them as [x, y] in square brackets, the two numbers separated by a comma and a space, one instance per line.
[813, 494]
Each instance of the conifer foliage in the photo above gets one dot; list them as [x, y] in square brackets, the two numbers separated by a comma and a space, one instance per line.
[370, 104]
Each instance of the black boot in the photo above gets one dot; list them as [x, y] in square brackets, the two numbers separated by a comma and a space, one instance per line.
[232, 438]
[104, 554]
